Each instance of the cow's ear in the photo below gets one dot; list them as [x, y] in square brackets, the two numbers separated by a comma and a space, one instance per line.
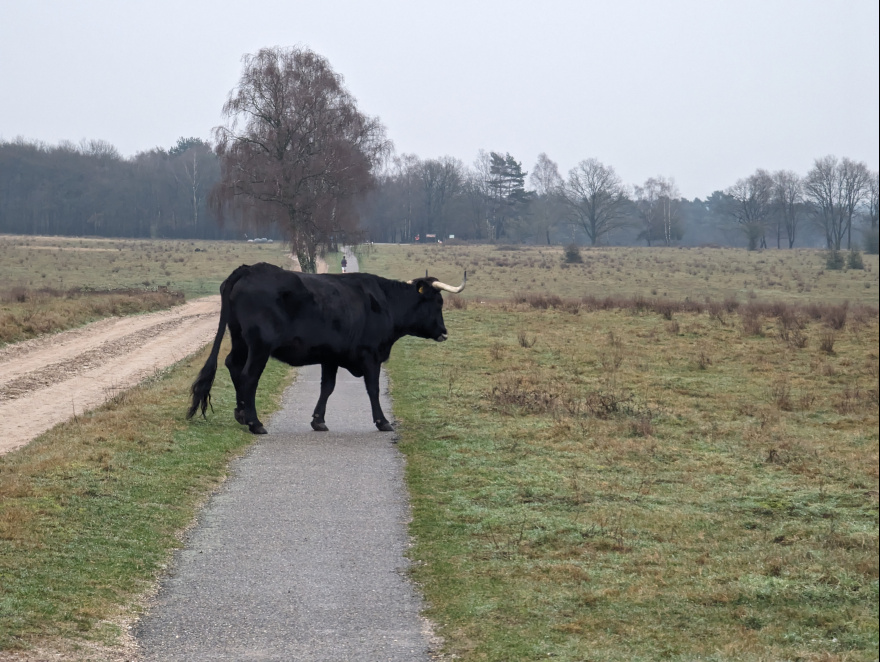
[423, 285]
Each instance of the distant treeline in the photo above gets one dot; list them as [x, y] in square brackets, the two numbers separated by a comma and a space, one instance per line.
[88, 189]
[834, 206]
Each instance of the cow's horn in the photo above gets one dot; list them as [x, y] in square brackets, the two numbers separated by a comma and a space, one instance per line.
[448, 288]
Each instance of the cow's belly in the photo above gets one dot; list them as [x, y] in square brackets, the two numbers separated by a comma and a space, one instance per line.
[299, 356]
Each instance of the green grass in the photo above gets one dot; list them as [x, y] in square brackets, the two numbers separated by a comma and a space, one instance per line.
[334, 262]
[642, 483]
[90, 511]
[602, 496]
[621, 482]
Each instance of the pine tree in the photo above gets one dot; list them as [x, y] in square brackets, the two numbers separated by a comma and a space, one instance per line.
[508, 193]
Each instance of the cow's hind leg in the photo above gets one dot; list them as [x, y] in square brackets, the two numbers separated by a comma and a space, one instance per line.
[371, 380]
[328, 383]
[235, 362]
[247, 389]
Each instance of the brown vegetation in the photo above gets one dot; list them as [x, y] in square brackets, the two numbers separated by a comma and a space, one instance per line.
[26, 313]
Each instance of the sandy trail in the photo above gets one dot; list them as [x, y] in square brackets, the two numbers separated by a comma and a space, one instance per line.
[45, 381]
[48, 380]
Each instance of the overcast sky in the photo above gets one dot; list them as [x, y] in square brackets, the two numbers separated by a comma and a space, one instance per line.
[705, 91]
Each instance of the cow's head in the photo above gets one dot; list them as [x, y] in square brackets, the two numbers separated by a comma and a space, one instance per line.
[428, 315]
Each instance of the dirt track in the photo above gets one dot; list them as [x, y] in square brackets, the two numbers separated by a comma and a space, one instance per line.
[50, 379]
[45, 381]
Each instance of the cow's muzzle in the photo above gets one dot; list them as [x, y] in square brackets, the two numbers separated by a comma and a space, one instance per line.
[441, 337]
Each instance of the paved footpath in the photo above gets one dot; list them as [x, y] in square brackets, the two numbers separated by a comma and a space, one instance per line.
[300, 556]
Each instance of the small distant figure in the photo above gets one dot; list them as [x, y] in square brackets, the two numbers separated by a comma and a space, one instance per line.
[344, 264]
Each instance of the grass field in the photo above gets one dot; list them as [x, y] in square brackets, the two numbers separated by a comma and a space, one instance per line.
[49, 284]
[195, 268]
[606, 462]
[797, 276]
[90, 511]
[640, 483]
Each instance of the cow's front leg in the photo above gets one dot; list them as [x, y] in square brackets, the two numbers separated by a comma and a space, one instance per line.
[371, 380]
[328, 383]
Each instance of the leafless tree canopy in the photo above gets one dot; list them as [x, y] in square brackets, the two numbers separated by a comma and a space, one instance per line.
[788, 201]
[441, 181]
[836, 188]
[596, 199]
[545, 178]
[873, 200]
[296, 157]
[295, 149]
[547, 207]
[657, 206]
[750, 206]
[89, 189]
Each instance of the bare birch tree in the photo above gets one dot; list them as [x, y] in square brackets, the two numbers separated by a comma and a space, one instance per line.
[657, 207]
[546, 182]
[296, 148]
[788, 201]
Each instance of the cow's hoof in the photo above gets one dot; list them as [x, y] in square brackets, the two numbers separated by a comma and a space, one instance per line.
[320, 426]
[257, 429]
[239, 416]
[384, 426]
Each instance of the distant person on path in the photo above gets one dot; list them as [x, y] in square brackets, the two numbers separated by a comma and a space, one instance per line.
[344, 264]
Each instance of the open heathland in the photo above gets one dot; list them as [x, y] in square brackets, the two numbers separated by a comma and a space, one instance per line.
[195, 268]
[609, 478]
[49, 284]
[693, 274]
[652, 454]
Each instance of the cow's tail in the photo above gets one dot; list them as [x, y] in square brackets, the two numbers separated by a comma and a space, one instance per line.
[201, 387]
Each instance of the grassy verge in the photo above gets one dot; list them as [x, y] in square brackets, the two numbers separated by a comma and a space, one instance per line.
[90, 511]
[334, 262]
[49, 284]
[26, 314]
[617, 485]
[195, 268]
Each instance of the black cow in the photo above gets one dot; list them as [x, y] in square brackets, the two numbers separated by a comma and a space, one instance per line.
[337, 320]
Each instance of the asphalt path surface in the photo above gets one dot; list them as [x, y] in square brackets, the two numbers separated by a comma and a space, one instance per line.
[300, 556]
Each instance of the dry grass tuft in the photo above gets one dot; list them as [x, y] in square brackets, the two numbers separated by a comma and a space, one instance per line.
[29, 313]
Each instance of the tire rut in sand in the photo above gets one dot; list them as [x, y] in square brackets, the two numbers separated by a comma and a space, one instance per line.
[45, 381]
[94, 358]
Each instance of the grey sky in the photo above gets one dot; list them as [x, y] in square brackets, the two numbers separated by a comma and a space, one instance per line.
[700, 90]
